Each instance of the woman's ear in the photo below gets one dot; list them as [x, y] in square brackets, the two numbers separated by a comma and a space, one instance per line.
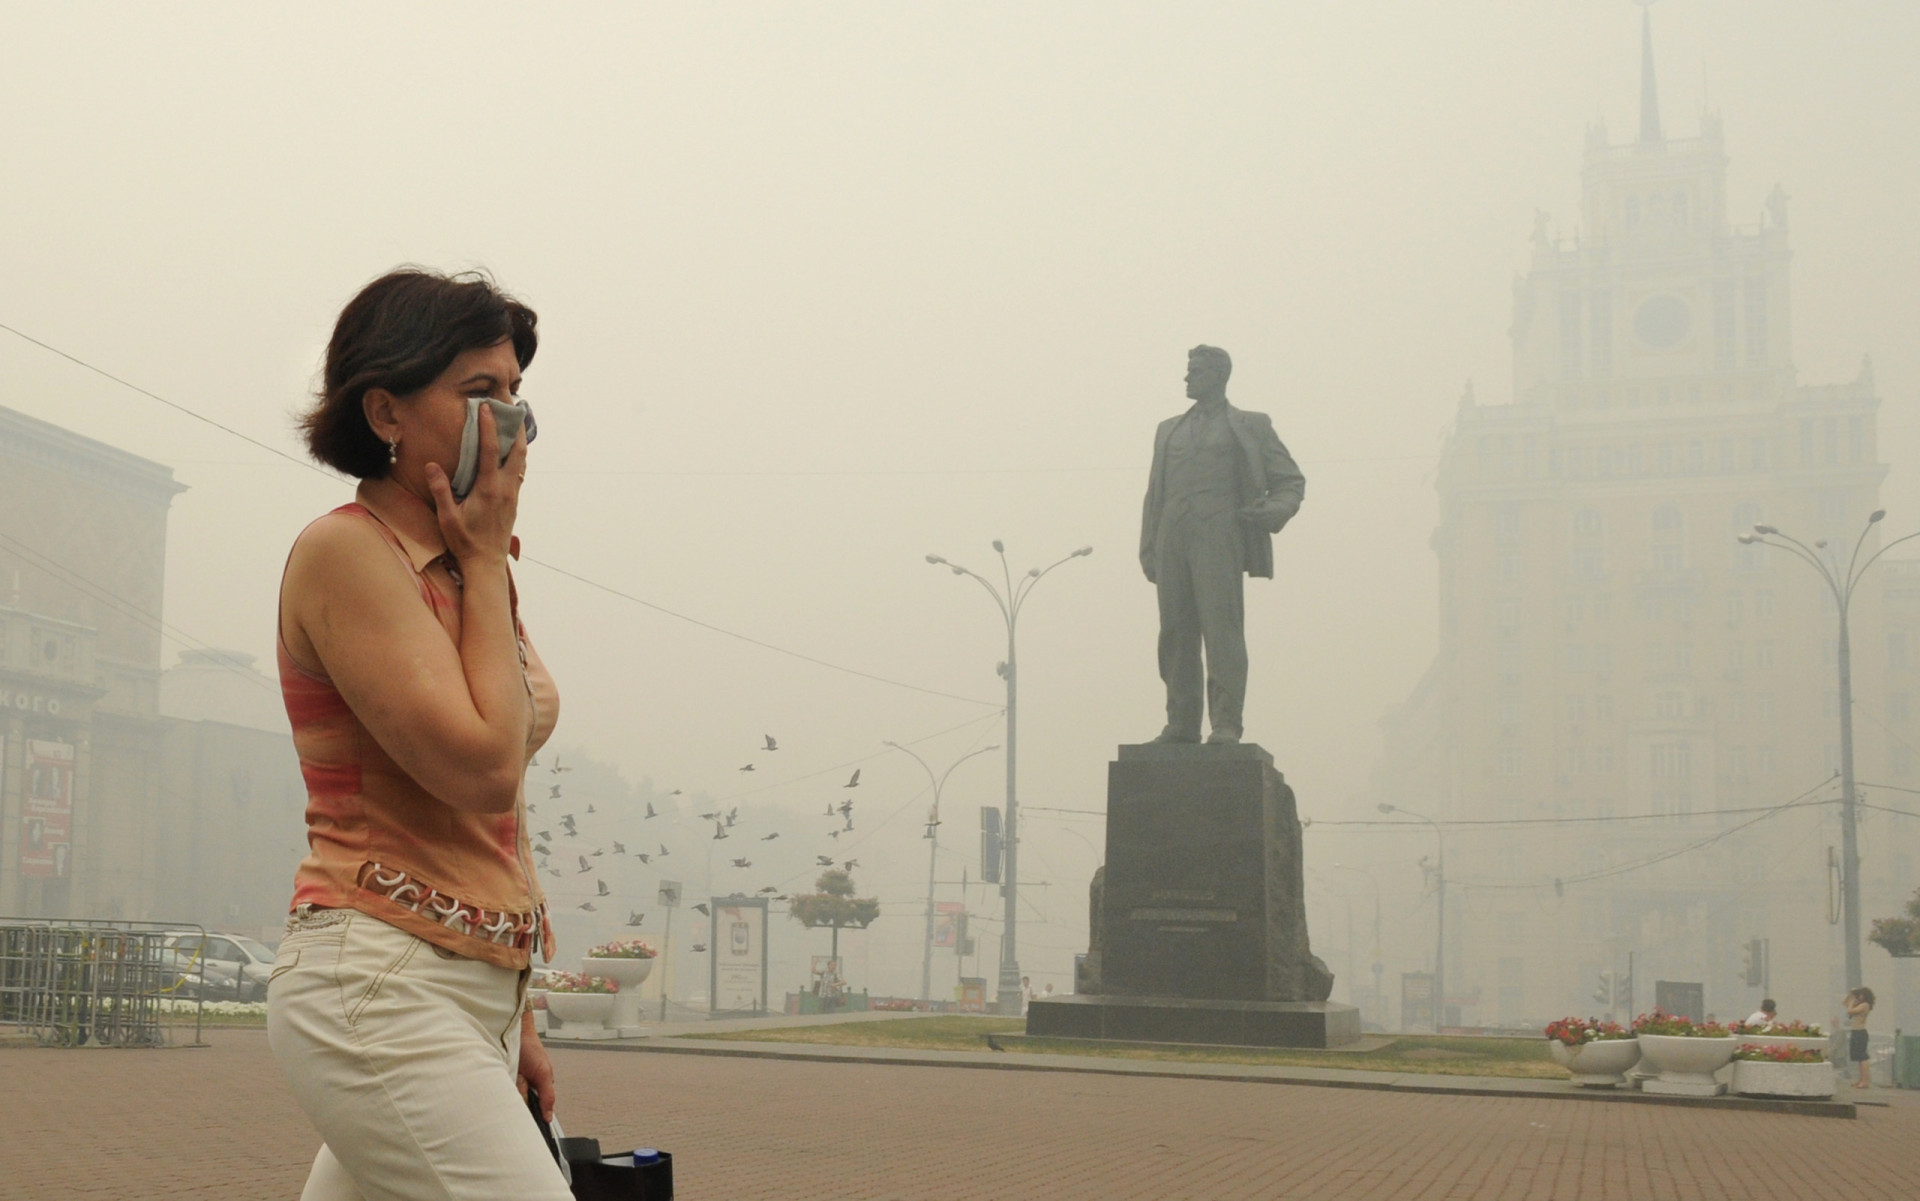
[382, 410]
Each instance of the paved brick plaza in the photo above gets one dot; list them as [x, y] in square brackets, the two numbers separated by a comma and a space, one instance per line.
[218, 1123]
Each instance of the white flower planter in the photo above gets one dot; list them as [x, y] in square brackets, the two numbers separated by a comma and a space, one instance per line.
[1601, 1064]
[585, 1008]
[1686, 1065]
[1757, 1078]
[628, 974]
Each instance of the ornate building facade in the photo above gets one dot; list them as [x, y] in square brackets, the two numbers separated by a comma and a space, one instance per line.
[113, 805]
[1623, 691]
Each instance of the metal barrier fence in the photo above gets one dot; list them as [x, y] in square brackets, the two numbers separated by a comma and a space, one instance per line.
[71, 983]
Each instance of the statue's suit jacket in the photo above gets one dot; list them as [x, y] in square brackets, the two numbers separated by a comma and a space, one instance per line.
[1267, 480]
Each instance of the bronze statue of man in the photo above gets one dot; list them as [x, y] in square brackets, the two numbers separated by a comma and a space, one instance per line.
[1222, 486]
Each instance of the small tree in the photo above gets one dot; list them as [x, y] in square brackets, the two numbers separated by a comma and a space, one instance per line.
[834, 906]
[1900, 936]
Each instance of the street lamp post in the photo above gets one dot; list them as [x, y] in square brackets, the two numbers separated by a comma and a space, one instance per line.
[1440, 886]
[1841, 584]
[933, 851]
[1010, 602]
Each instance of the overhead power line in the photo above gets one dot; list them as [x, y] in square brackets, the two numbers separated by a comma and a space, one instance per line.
[558, 570]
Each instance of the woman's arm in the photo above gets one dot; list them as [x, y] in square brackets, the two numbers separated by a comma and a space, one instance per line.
[454, 718]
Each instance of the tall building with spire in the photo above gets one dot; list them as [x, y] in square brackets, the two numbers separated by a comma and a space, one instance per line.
[1623, 691]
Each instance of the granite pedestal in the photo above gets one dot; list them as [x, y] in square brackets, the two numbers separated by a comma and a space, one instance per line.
[1200, 928]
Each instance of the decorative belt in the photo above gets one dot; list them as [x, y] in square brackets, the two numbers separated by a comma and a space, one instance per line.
[498, 926]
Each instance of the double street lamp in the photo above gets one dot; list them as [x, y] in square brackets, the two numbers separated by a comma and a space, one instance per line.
[933, 851]
[1841, 584]
[1010, 601]
[1440, 948]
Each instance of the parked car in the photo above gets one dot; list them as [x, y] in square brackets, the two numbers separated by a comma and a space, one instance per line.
[217, 966]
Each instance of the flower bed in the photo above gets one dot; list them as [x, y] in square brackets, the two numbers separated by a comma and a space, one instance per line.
[1574, 1032]
[629, 948]
[580, 982]
[1781, 1071]
[1686, 1053]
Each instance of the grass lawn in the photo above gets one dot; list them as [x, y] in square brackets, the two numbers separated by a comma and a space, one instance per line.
[1446, 1056]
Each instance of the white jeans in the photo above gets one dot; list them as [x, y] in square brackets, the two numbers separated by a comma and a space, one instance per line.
[404, 1057]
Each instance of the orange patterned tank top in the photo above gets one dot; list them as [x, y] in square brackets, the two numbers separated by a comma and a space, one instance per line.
[380, 843]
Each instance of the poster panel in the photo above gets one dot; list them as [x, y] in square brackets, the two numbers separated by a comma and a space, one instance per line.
[946, 922]
[46, 848]
[739, 950]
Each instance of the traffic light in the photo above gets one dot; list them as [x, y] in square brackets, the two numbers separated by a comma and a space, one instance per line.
[1753, 962]
[1604, 993]
[990, 849]
[1623, 988]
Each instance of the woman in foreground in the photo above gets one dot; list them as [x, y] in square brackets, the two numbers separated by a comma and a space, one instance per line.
[397, 1005]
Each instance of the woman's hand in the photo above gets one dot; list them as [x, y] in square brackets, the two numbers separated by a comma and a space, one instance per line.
[481, 527]
[536, 1070]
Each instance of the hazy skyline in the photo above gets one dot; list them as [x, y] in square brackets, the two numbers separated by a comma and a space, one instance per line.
[825, 289]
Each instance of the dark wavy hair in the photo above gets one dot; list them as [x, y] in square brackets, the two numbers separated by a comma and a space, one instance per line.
[400, 333]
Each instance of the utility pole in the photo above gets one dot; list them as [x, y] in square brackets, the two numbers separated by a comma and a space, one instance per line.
[933, 852]
[1841, 584]
[1010, 1001]
[1440, 886]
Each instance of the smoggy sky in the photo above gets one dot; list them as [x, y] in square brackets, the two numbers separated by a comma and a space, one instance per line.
[824, 288]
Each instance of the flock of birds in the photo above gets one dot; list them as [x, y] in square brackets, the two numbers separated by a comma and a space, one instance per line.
[544, 846]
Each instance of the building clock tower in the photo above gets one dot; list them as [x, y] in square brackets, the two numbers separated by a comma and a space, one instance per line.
[1617, 676]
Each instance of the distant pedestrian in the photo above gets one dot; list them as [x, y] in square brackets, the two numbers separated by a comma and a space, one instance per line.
[1764, 1016]
[1859, 1004]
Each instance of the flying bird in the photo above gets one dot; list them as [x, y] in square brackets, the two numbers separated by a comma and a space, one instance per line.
[553, 794]
[590, 809]
[619, 848]
[664, 851]
[855, 781]
[634, 919]
[699, 946]
[702, 908]
[846, 807]
[824, 860]
[783, 897]
[743, 863]
[719, 831]
[604, 890]
[770, 837]
[849, 824]
[675, 792]
[768, 888]
[598, 851]
[710, 817]
[554, 872]
[585, 867]
[556, 765]
[851, 864]
[642, 857]
[829, 808]
[566, 819]
[650, 812]
[732, 813]
[589, 906]
[748, 767]
[532, 808]
[835, 833]
[771, 744]
[535, 762]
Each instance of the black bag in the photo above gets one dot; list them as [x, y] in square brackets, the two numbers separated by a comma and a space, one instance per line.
[604, 1178]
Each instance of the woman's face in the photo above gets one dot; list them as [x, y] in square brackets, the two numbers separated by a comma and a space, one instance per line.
[429, 422]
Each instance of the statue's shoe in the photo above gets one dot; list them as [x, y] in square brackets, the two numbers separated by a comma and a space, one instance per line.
[1172, 735]
[1224, 736]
